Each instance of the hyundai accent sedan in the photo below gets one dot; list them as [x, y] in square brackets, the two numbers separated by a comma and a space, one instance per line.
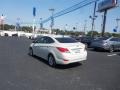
[58, 49]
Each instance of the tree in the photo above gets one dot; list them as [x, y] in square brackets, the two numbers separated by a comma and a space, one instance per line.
[27, 29]
[93, 33]
[115, 35]
[107, 34]
[7, 27]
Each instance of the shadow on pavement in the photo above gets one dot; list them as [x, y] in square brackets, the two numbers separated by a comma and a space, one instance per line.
[73, 65]
[58, 66]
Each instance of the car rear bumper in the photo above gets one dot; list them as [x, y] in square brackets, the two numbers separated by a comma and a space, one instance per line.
[72, 59]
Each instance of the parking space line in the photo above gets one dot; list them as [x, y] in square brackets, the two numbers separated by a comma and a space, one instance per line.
[110, 55]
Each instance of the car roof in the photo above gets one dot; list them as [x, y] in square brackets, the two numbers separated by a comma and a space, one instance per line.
[58, 36]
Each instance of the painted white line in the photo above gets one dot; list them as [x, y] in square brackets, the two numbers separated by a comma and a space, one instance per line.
[110, 55]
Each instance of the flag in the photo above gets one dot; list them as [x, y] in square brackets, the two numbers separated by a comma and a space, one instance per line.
[34, 11]
[114, 30]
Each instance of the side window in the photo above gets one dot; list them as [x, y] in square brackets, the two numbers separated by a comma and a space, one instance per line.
[44, 40]
[49, 40]
[114, 39]
[119, 39]
[41, 40]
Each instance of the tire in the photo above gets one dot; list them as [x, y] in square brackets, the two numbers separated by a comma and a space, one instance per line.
[111, 49]
[95, 49]
[51, 60]
[86, 45]
[30, 51]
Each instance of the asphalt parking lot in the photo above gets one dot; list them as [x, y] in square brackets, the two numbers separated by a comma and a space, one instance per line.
[19, 71]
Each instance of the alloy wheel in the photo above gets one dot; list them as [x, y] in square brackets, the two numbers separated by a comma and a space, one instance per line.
[51, 61]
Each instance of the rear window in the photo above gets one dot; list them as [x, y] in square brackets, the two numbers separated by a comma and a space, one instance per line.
[66, 40]
[102, 38]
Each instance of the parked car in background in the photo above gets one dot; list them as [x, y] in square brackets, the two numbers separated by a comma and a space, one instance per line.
[106, 43]
[58, 49]
[86, 40]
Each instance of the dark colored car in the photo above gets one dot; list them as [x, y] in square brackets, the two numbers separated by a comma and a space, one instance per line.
[86, 40]
[106, 43]
[15, 35]
[6, 34]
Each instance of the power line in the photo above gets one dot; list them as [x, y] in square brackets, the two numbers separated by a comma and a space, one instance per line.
[71, 9]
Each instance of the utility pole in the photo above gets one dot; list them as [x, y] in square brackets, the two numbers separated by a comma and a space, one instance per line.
[52, 20]
[93, 18]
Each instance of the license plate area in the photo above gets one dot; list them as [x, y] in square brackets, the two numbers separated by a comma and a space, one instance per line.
[77, 50]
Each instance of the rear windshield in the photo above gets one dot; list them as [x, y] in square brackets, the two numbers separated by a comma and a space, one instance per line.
[102, 38]
[66, 40]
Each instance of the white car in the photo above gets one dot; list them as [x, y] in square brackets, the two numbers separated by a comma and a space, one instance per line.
[58, 49]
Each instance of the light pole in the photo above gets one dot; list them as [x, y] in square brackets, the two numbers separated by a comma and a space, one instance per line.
[85, 27]
[76, 26]
[41, 25]
[65, 29]
[17, 26]
[2, 19]
[102, 23]
[52, 20]
[117, 21]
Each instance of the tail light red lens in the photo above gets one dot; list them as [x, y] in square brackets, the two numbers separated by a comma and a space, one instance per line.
[61, 49]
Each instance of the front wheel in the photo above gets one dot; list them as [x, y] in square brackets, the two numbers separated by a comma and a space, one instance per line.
[51, 61]
[30, 51]
[111, 49]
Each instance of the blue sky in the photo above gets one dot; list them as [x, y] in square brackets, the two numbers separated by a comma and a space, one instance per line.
[22, 9]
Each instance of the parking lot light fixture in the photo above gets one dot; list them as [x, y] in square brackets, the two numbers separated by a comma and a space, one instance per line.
[52, 20]
[117, 21]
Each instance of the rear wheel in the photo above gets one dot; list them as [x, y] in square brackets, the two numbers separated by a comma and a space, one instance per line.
[51, 60]
[95, 49]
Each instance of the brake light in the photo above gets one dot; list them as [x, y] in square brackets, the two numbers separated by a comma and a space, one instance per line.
[61, 49]
[66, 60]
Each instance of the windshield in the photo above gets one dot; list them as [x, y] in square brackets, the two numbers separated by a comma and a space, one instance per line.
[66, 40]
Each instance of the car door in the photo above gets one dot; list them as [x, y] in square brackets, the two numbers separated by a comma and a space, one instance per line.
[115, 43]
[119, 43]
[46, 47]
[37, 46]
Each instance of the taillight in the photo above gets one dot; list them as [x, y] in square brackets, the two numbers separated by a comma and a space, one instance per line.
[64, 50]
